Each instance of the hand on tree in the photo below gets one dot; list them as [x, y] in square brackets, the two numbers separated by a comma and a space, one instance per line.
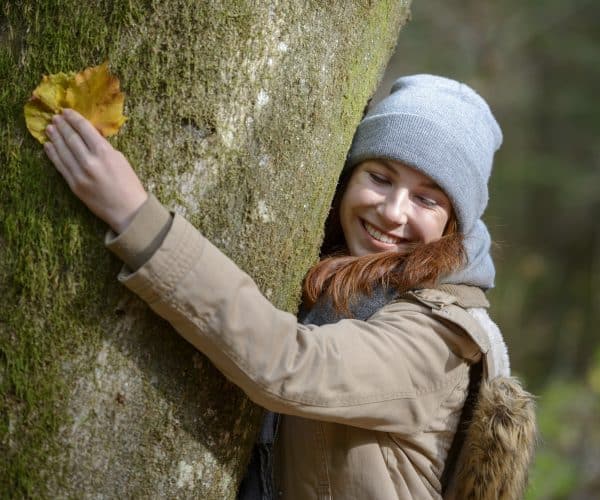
[98, 174]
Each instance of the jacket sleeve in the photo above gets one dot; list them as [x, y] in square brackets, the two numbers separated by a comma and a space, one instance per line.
[388, 373]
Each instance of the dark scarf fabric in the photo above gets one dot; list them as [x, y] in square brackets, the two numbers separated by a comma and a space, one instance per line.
[258, 482]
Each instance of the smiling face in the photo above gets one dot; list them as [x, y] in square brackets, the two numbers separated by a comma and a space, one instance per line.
[388, 205]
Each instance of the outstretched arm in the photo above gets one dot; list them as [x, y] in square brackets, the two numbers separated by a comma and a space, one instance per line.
[388, 373]
[98, 174]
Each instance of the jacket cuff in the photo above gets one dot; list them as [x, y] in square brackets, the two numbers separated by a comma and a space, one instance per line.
[142, 236]
[181, 248]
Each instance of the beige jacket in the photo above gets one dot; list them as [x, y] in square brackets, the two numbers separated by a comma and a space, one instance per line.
[371, 407]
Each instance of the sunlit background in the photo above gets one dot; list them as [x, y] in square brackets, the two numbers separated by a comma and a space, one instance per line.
[538, 65]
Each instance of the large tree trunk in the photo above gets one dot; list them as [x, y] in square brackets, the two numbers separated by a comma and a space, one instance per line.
[240, 115]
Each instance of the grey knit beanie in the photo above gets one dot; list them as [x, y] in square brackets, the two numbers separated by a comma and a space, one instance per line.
[445, 130]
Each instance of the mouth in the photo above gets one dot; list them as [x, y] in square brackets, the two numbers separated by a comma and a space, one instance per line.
[376, 234]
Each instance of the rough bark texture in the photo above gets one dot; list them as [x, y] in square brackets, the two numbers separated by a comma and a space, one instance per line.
[240, 115]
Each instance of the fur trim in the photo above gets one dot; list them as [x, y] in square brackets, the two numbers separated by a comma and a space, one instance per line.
[499, 444]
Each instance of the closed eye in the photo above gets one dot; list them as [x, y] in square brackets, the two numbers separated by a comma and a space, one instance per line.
[378, 179]
[429, 202]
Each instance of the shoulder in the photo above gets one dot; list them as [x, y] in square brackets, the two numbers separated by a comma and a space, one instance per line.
[433, 352]
[440, 317]
[464, 310]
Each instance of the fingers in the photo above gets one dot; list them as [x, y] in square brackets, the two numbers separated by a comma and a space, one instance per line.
[90, 136]
[58, 163]
[62, 153]
[70, 138]
[71, 154]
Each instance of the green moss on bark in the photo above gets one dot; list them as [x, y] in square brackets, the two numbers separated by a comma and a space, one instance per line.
[240, 116]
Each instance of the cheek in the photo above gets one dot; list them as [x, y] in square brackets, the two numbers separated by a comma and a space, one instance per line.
[351, 207]
[434, 226]
[444, 219]
[442, 224]
[349, 200]
[358, 195]
[343, 208]
[344, 213]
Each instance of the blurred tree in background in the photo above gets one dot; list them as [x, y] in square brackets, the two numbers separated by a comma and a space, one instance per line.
[538, 65]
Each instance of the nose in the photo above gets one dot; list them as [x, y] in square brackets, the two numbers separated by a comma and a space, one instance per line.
[395, 207]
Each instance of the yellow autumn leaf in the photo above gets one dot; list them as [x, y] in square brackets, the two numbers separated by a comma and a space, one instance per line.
[93, 92]
[47, 100]
[96, 95]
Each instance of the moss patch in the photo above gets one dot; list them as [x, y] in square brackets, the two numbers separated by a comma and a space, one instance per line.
[240, 117]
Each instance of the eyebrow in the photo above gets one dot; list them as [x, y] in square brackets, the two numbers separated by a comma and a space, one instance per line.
[390, 166]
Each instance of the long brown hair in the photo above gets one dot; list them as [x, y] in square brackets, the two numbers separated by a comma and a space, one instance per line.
[344, 277]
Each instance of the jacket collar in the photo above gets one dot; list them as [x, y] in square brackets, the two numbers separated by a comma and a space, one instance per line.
[443, 295]
[466, 296]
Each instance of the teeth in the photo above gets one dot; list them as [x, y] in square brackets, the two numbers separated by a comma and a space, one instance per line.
[378, 235]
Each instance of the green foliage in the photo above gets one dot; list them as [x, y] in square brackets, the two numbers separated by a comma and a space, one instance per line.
[570, 439]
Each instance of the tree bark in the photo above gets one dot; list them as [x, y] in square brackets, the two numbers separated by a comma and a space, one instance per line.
[240, 114]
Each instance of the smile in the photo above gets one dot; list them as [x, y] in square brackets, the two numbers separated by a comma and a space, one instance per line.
[379, 236]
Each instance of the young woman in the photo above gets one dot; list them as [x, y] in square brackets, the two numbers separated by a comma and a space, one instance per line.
[372, 378]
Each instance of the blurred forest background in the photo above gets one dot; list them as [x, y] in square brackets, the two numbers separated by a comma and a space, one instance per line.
[538, 65]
